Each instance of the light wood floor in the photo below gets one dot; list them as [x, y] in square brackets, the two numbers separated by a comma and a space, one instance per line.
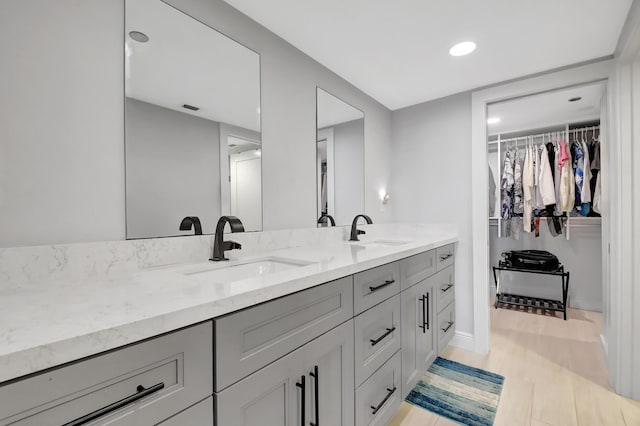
[554, 371]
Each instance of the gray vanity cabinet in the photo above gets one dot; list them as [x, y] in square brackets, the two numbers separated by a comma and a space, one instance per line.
[157, 378]
[200, 414]
[315, 380]
[253, 338]
[418, 336]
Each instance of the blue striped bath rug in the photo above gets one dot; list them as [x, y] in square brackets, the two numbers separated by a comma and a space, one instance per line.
[464, 394]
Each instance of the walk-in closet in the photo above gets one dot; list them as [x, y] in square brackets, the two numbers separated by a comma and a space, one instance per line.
[546, 173]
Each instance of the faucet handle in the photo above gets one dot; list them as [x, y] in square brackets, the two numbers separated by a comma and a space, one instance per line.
[360, 232]
[231, 245]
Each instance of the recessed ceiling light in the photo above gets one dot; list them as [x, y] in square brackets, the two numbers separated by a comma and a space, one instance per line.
[576, 99]
[463, 48]
[138, 36]
[258, 153]
[493, 120]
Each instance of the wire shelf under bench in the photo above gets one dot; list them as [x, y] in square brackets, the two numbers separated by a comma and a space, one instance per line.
[528, 301]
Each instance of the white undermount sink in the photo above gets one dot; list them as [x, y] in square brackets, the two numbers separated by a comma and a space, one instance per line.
[389, 243]
[239, 270]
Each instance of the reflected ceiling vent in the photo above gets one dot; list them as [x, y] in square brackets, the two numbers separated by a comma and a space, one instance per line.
[138, 36]
[576, 99]
[232, 145]
[191, 107]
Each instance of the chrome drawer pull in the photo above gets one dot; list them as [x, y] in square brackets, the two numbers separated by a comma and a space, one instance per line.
[446, 256]
[448, 326]
[446, 288]
[379, 339]
[384, 284]
[141, 393]
[386, 398]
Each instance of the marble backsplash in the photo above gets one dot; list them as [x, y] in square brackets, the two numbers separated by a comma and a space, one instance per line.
[115, 259]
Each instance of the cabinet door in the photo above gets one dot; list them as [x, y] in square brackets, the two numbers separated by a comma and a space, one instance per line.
[272, 396]
[418, 346]
[199, 414]
[284, 392]
[330, 382]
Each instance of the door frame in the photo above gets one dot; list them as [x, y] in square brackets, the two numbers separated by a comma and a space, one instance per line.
[580, 75]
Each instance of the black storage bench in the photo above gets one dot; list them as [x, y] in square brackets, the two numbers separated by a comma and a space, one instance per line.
[528, 301]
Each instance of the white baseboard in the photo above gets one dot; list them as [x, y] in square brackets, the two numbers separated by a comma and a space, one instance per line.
[605, 345]
[463, 340]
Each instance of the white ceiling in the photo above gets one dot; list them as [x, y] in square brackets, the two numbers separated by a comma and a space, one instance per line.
[397, 51]
[332, 111]
[547, 109]
[187, 62]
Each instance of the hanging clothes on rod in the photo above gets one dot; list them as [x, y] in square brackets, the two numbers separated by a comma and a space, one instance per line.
[549, 178]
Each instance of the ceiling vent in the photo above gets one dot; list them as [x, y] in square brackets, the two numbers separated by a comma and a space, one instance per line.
[191, 107]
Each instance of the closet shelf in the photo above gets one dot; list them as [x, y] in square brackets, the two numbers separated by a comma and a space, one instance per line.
[530, 302]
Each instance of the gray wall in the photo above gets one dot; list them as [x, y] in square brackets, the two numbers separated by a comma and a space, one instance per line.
[348, 155]
[173, 170]
[431, 160]
[289, 80]
[581, 255]
[61, 122]
[63, 133]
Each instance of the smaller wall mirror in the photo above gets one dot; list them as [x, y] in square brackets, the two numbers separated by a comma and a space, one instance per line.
[192, 119]
[340, 160]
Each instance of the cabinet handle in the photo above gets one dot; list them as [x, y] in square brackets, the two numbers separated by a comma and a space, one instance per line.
[384, 284]
[316, 398]
[386, 398]
[141, 392]
[379, 339]
[303, 388]
[448, 326]
[426, 318]
[446, 288]
[445, 257]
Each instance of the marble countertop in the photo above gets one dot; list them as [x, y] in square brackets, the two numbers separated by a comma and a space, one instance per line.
[46, 324]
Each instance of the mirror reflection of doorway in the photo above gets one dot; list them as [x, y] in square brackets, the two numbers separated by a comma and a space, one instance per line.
[245, 181]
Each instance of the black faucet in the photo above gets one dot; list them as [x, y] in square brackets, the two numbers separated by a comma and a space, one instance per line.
[324, 217]
[191, 222]
[355, 231]
[219, 245]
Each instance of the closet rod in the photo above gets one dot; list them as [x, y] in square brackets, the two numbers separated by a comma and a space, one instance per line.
[549, 134]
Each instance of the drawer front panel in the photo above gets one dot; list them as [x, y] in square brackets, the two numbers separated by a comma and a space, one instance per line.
[444, 287]
[248, 340]
[446, 326]
[159, 378]
[199, 414]
[378, 399]
[416, 268]
[375, 285]
[377, 337]
[444, 256]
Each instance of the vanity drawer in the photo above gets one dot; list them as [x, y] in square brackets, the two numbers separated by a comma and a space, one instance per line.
[378, 399]
[250, 339]
[375, 285]
[444, 256]
[446, 326]
[176, 370]
[416, 268]
[377, 337]
[199, 414]
[444, 287]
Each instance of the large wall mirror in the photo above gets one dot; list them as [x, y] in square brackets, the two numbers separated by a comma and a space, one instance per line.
[340, 160]
[192, 120]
